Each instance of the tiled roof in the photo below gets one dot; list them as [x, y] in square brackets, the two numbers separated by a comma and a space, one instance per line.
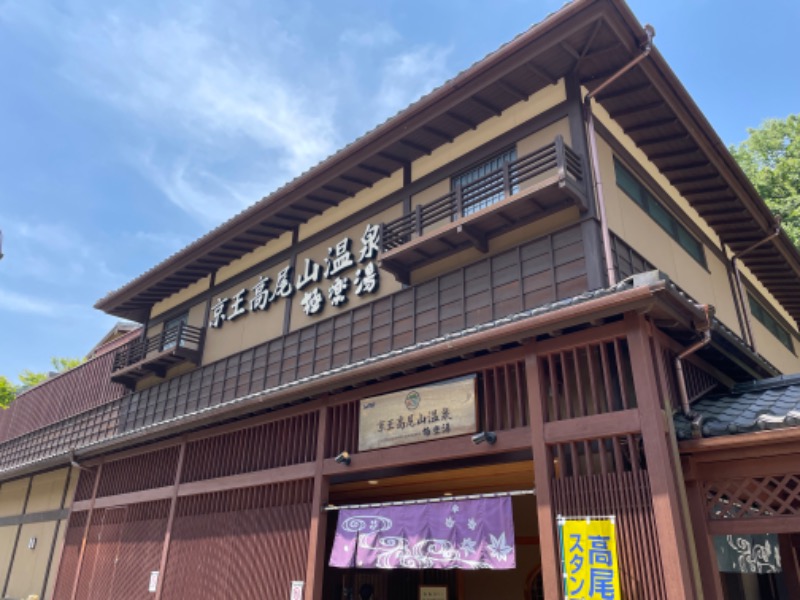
[772, 403]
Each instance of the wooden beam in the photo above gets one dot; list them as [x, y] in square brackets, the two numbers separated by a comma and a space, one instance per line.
[356, 180]
[476, 238]
[650, 125]
[438, 133]
[755, 525]
[376, 170]
[635, 110]
[541, 73]
[486, 105]
[453, 448]
[595, 30]
[605, 425]
[336, 190]
[514, 91]
[622, 92]
[662, 139]
[463, 120]
[418, 147]
[393, 157]
[320, 200]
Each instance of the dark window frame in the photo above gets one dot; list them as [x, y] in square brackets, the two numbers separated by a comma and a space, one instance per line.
[478, 170]
[764, 315]
[660, 214]
[173, 323]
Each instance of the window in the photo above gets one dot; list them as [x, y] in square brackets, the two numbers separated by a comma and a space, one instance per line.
[649, 204]
[170, 334]
[478, 197]
[764, 317]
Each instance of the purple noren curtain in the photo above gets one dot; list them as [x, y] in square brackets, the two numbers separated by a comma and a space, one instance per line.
[465, 534]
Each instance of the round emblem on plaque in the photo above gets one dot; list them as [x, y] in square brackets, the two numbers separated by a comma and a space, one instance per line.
[412, 400]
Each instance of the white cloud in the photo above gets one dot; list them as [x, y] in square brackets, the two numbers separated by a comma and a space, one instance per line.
[378, 34]
[51, 252]
[21, 303]
[408, 76]
[189, 81]
[198, 191]
[221, 107]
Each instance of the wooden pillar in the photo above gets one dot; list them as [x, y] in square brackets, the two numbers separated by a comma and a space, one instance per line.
[669, 517]
[590, 228]
[791, 576]
[315, 567]
[97, 476]
[543, 473]
[706, 555]
[162, 568]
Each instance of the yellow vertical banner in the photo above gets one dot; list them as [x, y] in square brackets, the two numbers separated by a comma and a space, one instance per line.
[589, 564]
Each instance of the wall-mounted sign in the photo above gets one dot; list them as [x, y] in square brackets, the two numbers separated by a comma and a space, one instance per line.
[297, 590]
[417, 415]
[153, 582]
[433, 592]
[589, 561]
[339, 274]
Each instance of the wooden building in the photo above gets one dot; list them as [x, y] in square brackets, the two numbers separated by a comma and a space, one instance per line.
[35, 494]
[554, 245]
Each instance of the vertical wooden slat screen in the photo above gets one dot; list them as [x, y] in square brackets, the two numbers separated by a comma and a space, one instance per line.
[85, 485]
[592, 379]
[141, 472]
[123, 547]
[275, 444]
[253, 543]
[69, 555]
[617, 485]
[586, 377]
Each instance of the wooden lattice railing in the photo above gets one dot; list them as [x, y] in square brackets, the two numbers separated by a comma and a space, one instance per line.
[753, 497]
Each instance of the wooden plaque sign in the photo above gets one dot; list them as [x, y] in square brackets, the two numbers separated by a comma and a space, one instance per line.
[420, 414]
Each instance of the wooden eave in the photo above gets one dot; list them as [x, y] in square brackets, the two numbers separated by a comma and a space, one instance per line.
[592, 38]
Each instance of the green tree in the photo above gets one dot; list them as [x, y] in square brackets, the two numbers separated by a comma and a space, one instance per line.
[770, 157]
[8, 392]
[28, 378]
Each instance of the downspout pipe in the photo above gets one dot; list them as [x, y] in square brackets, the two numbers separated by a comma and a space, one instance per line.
[592, 146]
[680, 375]
[740, 288]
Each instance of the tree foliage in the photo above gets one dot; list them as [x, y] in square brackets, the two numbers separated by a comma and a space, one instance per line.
[28, 378]
[770, 157]
[7, 392]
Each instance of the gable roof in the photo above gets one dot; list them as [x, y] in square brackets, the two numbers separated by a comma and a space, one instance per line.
[592, 38]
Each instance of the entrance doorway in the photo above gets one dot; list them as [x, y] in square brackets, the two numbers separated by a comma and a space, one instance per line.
[522, 582]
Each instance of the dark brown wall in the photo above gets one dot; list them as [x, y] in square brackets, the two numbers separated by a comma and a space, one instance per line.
[82, 388]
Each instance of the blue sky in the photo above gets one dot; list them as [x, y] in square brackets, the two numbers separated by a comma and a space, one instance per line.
[128, 129]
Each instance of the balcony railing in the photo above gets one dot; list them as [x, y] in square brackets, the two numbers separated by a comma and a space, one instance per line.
[154, 355]
[556, 159]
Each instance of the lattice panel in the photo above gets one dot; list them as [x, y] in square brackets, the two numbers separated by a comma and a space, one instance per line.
[752, 497]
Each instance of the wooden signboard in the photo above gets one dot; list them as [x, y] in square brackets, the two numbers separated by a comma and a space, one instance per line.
[420, 414]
